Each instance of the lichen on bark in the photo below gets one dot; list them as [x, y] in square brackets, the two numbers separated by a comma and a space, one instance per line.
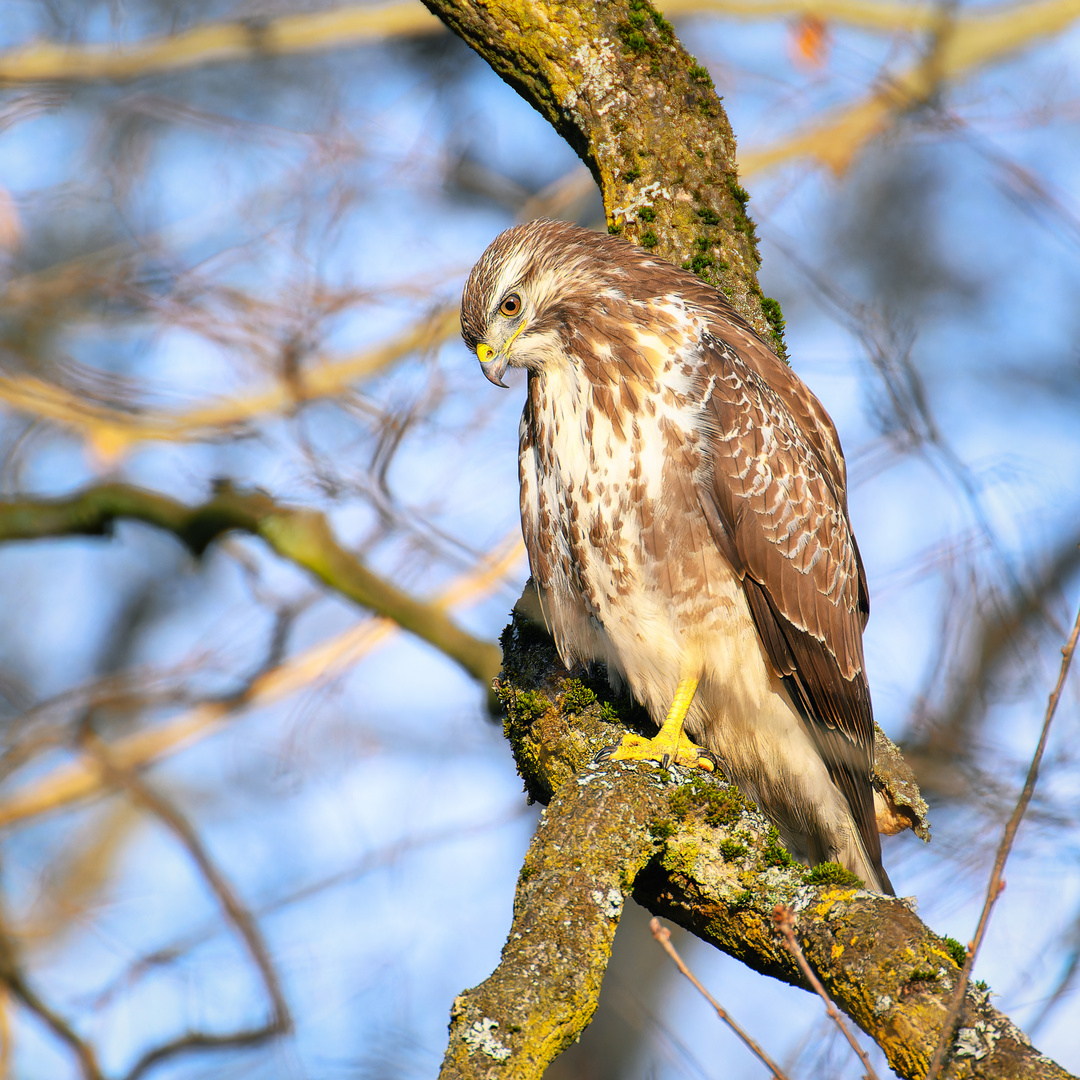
[691, 849]
[644, 115]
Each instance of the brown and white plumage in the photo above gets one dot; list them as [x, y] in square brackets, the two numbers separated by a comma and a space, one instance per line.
[683, 501]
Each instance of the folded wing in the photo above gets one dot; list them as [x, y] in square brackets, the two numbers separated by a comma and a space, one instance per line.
[775, 498]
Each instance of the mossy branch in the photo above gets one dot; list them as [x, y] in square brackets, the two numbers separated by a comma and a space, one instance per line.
[692, 850]
[302, 536]
[643, 114]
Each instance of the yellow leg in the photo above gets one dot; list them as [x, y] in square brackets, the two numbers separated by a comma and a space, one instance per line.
[670, 745]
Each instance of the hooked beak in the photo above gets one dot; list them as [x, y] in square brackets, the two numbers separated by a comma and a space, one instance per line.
[492, 366]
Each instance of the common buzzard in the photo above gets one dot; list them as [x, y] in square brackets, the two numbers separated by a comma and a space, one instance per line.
[684, 505]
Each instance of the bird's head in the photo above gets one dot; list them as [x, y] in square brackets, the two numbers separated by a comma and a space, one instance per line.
[529, 288]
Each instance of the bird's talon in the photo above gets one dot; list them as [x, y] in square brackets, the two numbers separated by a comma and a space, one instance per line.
[604, 755]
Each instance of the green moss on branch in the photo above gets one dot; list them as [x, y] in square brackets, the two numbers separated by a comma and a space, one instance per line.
[692, 849]
[643, 114]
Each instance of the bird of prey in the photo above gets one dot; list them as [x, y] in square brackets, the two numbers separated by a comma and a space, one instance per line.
[684, 507]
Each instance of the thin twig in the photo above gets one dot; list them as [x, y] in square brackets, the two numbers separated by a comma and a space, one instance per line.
[663, 935]
[996, 885]
[375, 860]
[238, 915]
[11, 974]
[280, 1020]
[200, 1040]
[784, 919]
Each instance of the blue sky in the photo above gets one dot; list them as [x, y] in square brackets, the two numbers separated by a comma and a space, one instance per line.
[249, 195]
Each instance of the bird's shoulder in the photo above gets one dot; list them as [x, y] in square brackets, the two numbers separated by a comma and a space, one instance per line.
[775, 490]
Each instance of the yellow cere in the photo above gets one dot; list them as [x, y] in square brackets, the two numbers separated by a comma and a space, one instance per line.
[484, 352]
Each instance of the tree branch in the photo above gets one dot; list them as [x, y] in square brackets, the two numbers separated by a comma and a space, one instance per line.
[279, 1020]
[302, 536]
[975, 40]
[113, 430]
[997, 882]
[569, 898]
[70, 781]
[663, 935]
[644, 116]
[784, 919]
[11, 973]
[692, 850]
[214, 43]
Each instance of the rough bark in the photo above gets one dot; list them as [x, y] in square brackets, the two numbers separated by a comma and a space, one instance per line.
[570, 895]
[692, 850]
[643, 115]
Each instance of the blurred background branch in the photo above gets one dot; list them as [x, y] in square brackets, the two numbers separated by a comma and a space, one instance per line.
[279, 1021]
[325, 662]
[111, 432]
[232, 239]
[960, 43]
[300, 535]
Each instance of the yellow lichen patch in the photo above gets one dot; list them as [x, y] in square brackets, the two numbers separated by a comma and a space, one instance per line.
[830, 899]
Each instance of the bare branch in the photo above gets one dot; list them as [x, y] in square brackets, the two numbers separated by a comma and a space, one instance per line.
[71, 781]
[1007, 626]
[663, 935]
[784, 918]
[169, 815]
[11, 973]
[962, 45]
[246, 39]
[378, 859]
[222, 42]
[996, 885]
[113, 431]
[279, 1020]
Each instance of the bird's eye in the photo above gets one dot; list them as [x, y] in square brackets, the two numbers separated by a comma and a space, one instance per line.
[511, 305]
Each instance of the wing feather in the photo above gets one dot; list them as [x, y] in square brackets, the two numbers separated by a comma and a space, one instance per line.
[776, 502]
